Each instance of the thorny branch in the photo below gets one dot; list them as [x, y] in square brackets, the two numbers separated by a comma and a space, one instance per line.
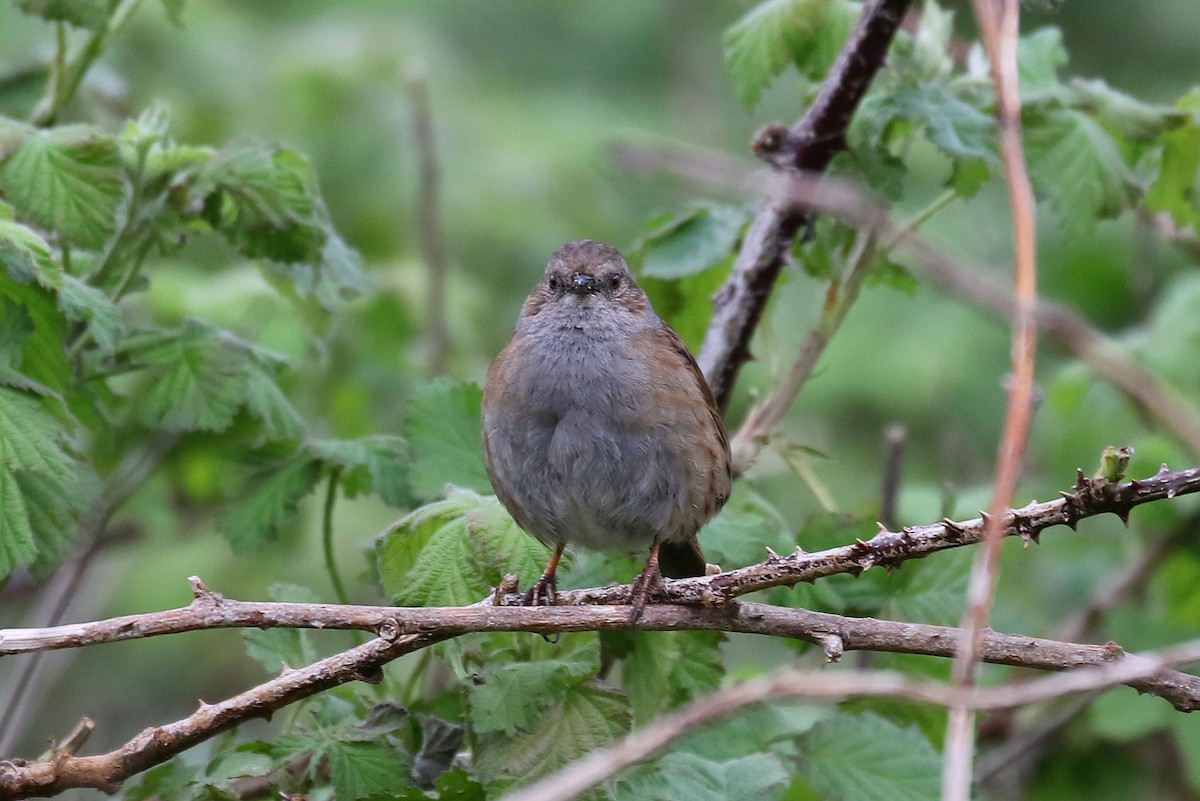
[402, 631]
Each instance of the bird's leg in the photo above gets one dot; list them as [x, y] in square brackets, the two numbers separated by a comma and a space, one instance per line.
[649, 579]
[543, 592]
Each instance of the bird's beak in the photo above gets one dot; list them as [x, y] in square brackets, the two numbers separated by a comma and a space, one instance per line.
[582, 282]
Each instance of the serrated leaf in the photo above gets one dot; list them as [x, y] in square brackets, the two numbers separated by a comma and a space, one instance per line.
[256, 518]
[425, 559]
[957, 128]
[196, 380]
[1039, 55]
[757, 777]
[868, 758]
[691, 242]
[265, 402]
[91, 15]
[444, 438]
[83, 303]
[69, 181]
[451, 552]
[665, 669]
[776, 33]
[512, 696]
[376, 464]
[360, 768]
[1076, 165]
[588, 717]
[55, 510]
[32, 331]
[37, 478]
[1176, 188]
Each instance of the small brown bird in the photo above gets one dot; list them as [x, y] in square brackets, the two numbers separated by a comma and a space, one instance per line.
[598, 427]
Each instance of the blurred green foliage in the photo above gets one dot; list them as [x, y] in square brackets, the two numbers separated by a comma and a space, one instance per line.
[214, 339]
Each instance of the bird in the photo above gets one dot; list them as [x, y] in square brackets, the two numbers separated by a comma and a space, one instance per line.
[599, 429]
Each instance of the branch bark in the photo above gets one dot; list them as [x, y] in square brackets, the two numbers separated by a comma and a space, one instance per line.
[809, 145]
[402, 631]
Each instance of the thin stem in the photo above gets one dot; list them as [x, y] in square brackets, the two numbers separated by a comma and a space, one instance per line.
[998, 22]
[923, 216]
[339, 589]
[839, 297]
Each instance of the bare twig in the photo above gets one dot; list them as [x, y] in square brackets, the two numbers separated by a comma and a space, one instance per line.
[578, 777]
[998, 23]
[895, 437]
[429, 221]
[809, 145]
[211, 610]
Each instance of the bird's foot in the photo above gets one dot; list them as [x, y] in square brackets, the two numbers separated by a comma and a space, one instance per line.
[646, 584]
[543, 593]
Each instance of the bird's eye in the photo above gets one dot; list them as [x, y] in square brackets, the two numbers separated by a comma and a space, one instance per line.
[614, 282]
[553, 282]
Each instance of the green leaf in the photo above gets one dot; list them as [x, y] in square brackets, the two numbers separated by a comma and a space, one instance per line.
[262, 198]
[588, 717]
[32, 331]
[265, 402]
[279, 647]
[1039, 55]
[451, 552]
[513, 696]
[88, 14]
[196, 379]
[199, 377]
[361, 768]
[69, 181]
[757, 777]
[1176, 188]
[665, 669]
[425, 559]
[257, 517]
[376, 464]
[39, 483]
[957, 128]
[444, 437]
[82, 303]
[1076, 165]
[776, 33]
[933, 591]
[692, 241]
[868, 758]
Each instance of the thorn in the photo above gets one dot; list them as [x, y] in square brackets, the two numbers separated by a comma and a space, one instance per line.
[772, 557]
[954, 532]
[1081, 481]
[799, 551]
[1163, 471]
[882, 528]
[198, 588]
[1123, 513]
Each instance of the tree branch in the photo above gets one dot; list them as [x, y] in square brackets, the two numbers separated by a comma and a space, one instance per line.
[402, 631]
[576, 778]
[809, 145]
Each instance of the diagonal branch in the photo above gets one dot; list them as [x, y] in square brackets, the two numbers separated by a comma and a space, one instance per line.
[576, 778]
[809, 145]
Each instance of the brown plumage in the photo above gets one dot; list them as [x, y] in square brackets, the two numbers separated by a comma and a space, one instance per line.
[598, 427]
